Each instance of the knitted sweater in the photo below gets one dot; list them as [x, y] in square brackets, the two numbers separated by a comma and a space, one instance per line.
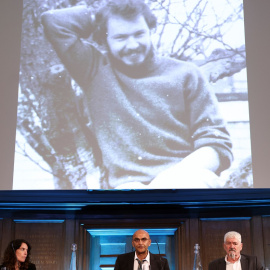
[145, 119]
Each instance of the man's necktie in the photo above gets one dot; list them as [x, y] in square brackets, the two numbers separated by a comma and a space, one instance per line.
[140, 263]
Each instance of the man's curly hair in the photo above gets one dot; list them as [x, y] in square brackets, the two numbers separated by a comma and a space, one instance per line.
[128, 9]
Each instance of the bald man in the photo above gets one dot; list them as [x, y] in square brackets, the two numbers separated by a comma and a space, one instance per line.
[141, 258]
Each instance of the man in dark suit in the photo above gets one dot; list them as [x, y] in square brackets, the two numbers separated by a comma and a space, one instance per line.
[141, 258]
[233, 259]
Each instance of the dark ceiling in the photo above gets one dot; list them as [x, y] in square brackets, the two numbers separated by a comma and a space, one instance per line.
[187, 203]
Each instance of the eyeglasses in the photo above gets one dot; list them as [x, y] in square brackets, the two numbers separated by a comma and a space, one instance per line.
[137, 240]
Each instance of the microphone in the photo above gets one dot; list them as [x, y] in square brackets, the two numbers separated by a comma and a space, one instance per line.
[232, 255]
[15, 254]
[160, 258]
[158, 248]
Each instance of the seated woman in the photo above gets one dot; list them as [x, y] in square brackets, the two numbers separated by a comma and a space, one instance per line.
[17, 256]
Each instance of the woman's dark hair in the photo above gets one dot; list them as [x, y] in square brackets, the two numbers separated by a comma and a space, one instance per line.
[10, 258]
[127, 9]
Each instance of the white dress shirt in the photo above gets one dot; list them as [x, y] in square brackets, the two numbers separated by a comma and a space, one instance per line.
[145, 264]
[233, 266]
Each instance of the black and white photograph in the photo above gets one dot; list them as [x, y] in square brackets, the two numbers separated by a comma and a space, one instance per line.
[133, 94]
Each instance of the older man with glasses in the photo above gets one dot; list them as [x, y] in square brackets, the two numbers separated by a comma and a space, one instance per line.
[142, 258]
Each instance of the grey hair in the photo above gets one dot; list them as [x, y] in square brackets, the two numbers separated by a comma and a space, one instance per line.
[233, 234]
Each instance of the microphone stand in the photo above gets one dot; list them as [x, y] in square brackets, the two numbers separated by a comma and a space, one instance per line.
[160, 258]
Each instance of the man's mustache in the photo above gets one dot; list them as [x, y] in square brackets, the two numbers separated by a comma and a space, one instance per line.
[232, 249]
[132, 51]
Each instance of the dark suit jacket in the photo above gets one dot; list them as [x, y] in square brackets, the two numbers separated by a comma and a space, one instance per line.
[247, 263]
[126, 262]
[31, 266]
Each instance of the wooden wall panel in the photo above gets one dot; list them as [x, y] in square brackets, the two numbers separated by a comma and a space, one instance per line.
[47, 241]
[257, 238]
[212, 235]
[266, 240]
[7, 234]
[1, 236]
[179, 241]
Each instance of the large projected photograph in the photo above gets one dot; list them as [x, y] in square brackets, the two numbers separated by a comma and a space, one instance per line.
[132, 94]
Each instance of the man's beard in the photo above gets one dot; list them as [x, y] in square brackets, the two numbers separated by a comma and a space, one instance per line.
[232, 255]
[135, 70]
[130, 52]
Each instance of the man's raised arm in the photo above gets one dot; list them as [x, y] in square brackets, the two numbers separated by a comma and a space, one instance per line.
[67, 30]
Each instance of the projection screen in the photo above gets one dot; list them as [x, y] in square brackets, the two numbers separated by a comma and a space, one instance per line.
[53, 146]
